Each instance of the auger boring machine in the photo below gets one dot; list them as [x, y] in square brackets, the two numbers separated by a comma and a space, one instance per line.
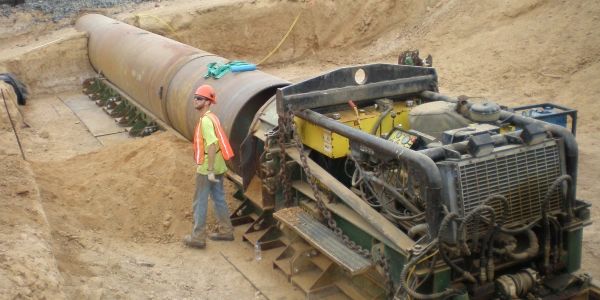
[366, 182]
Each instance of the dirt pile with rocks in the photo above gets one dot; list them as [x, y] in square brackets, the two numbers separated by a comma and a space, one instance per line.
[36, 17]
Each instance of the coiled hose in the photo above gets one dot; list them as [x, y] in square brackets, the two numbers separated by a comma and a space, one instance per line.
[487, 261]
[413, 262]
[462, 230]
[443, 226]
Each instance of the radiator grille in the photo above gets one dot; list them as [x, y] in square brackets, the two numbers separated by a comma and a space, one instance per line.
[522, 175]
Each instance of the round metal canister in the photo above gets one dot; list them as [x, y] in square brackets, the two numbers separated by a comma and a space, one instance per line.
[484, 112]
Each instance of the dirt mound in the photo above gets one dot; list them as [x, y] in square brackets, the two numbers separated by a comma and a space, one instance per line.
[515, 52]
[141, 191]
[325, 30]
[27, 265]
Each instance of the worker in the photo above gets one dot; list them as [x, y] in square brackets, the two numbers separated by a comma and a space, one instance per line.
[211, 150]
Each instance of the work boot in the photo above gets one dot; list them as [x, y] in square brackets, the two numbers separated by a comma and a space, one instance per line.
[217, 236]
[194, 243]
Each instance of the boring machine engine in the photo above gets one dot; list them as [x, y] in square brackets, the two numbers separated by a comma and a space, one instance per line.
[365, 182]
[443, 197]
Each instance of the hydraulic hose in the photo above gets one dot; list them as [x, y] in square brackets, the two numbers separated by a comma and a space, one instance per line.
[531, 251]
[488, 261]
[553, 246]
[443, 226]
[397, 195]
[555, 184]
[463, 232]
[421, 162]
[382, 116]
[411, 263]
[419, 229]
[505, 208]
[557, 238]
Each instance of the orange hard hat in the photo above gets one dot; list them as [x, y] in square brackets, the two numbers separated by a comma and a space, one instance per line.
[207, 92]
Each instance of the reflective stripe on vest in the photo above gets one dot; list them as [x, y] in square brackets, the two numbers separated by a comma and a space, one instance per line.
[224, 145]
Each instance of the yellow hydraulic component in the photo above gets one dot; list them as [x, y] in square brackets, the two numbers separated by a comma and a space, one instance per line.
[334, 145]
[504, 129]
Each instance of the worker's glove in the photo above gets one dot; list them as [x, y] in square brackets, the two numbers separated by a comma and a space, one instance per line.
[211, 177]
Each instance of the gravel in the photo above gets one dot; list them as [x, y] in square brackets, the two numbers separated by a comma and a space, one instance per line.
[60, 9]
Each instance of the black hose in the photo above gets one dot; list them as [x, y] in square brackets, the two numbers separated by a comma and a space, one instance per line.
[521, 229]
[380, 119]
[531, 251]
[431, 267]
[505, 207]
[419, 229]
[18, 87]
[443, 226]
[357, 177]
[557, 240]
[389, 149]
[490, 255]
[413, 262]
[489, 243]
[555, 184]
[413, 209]
[462, 230]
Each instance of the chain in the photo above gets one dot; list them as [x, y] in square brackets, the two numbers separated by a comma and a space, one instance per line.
[384, 263]
[381, 260]
[287, 185]
[320, 204]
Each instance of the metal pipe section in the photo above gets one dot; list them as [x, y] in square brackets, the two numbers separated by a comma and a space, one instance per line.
[571, 148]
[162, 74]
[420, 161]
[381, 89]
[433, 96]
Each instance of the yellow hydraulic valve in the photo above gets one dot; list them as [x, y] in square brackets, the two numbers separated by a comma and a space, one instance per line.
[334, 145]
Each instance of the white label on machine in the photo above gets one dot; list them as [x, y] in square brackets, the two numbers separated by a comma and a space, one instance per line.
[327, 141]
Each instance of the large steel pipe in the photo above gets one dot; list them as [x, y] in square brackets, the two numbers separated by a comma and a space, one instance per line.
[161, 75]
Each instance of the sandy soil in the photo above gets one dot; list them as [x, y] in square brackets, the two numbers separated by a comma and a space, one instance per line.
[79, 220]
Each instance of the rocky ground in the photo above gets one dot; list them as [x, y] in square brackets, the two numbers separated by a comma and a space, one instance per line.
[59, 9]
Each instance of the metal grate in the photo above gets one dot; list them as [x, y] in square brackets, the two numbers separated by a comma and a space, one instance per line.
[522, 175]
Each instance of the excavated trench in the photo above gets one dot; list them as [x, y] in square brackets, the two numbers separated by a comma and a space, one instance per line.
[115, 210]
[113, 213]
